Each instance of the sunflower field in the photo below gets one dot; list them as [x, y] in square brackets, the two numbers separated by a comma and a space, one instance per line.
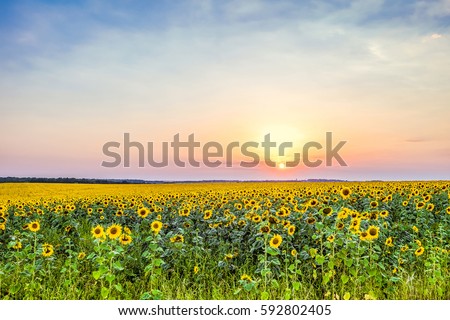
[268, 240]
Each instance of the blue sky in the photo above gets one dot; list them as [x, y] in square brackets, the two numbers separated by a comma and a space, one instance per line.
[76, 74]
[54, 27]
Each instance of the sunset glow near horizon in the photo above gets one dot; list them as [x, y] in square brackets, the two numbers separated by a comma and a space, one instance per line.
[78, 74]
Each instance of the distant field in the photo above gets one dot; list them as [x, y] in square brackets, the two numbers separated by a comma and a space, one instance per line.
[274, 240]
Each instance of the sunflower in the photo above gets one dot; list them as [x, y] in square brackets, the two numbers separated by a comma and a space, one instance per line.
[156, 226]
[242, 223]
[125, 239]
[246, 277]
[228, 257]
[143, 212]
[327, 211]
[294, 252]
[256, 218]
[313, 202]
[291, 230]
[286, 223]
[405, 203]
[389, 242]
[311, 220]
[273, 219]
[207, 215]
[355, 215]
[404, 248]
[276, 241]
[340, 225]
[373, 232]
[418, 242]
[186, 225]
[419, 251]
[430, 207]
[384, 214]
[343, 214]
[47, 250]
[345, 192]
[284, 212]
[34, 226]
[420, 205]
[265, 229]
[81, 255]
[68, 228]
[330, 238]
[373, 215]
[415, 229]
[185, 212]
[98, 232]
[355, 224]
[364, 236]
[447, 210]
[114, 231]
[373, 204]
[177, 238]
[17, 245]
[195, 269]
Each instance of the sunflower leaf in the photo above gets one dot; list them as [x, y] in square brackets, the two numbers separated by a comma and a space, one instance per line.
[320, 259]
[345, 278]
[272, 251]
[264, 295]
[118, 266]
[157, 262]
[104, 292]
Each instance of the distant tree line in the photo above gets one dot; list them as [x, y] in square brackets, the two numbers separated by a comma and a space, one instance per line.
[139, 181]
[70, 180]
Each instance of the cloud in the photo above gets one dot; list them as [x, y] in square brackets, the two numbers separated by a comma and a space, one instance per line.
[434, 8]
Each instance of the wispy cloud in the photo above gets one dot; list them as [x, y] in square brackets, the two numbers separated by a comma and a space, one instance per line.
[436, 36]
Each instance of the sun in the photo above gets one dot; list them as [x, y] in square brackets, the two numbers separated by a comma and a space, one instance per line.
[281, 165]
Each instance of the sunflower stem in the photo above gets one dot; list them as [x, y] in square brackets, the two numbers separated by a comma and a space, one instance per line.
[265, 262]
[34, 257]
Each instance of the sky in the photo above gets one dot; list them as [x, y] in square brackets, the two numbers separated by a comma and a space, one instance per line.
[75, 75]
